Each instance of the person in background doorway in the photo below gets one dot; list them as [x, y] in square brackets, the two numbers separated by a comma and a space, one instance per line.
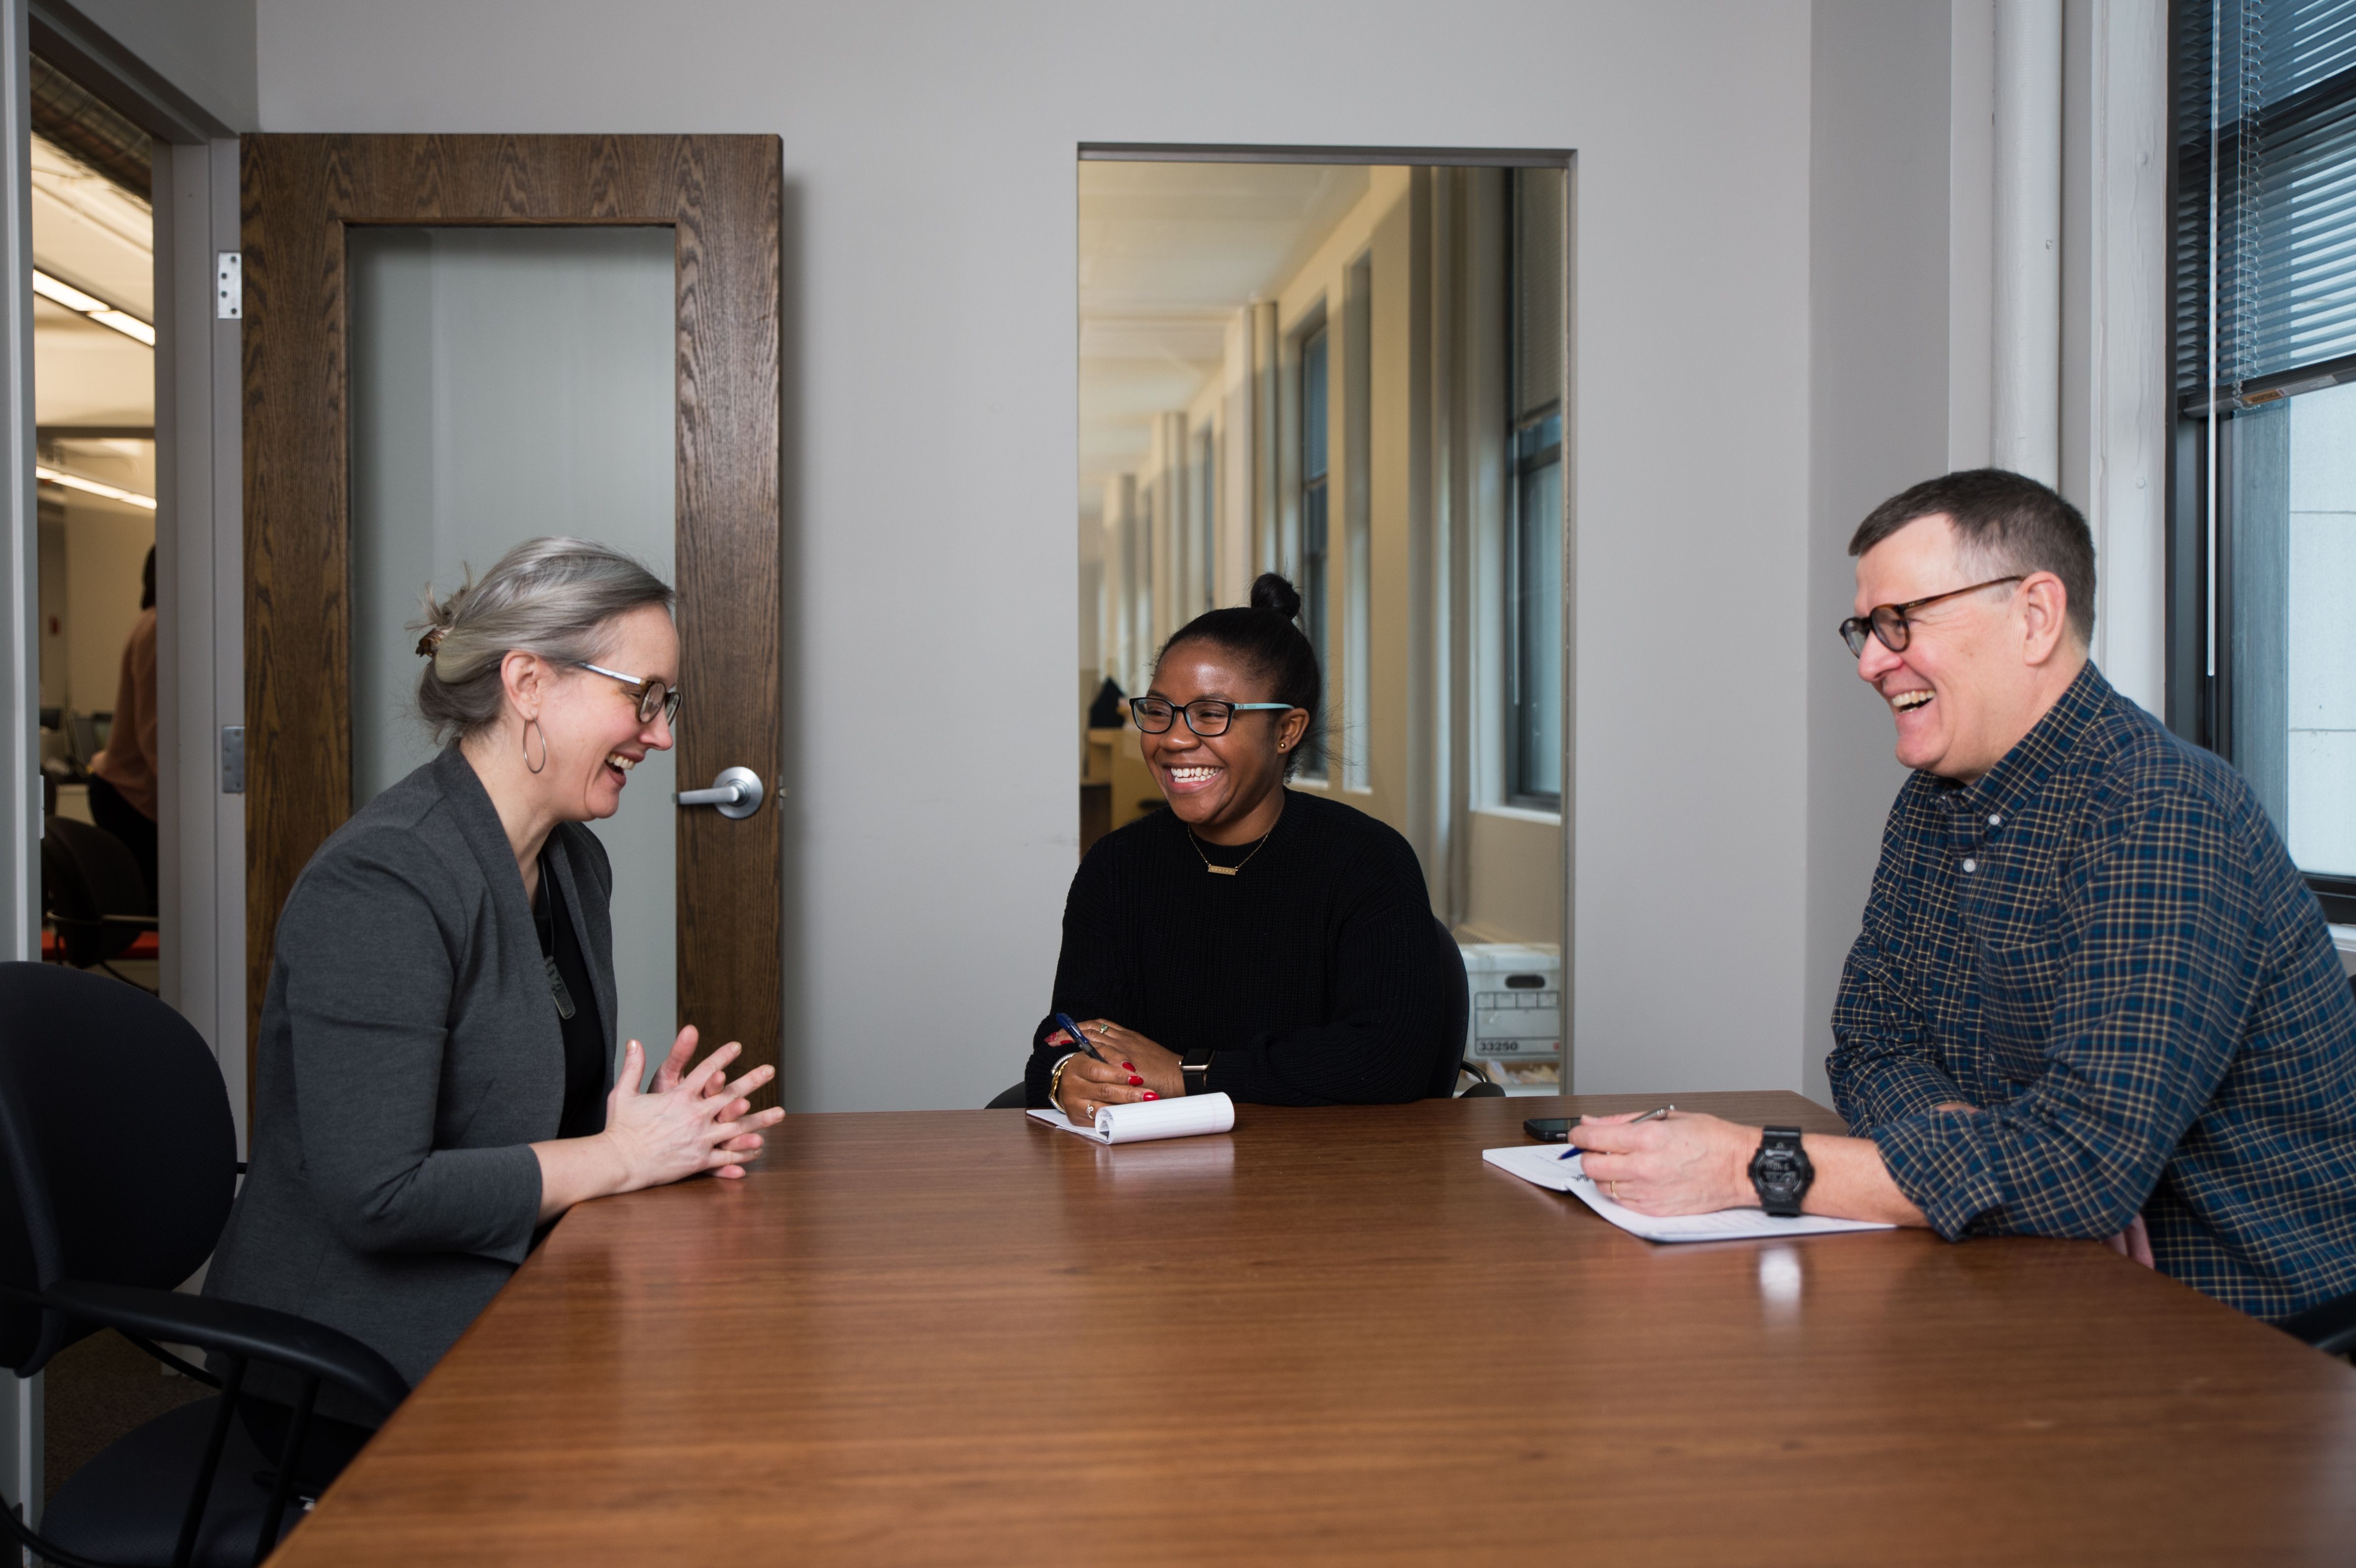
[1271, 945]
[123, 776]
[436, 1081]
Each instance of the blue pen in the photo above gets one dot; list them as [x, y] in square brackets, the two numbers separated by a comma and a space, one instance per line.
[1574, 1149]
[1079, 1035]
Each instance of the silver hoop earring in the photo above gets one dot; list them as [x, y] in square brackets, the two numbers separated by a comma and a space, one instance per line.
[523, 740]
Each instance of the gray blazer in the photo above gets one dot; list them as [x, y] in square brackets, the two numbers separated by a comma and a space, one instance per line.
[409, 1051]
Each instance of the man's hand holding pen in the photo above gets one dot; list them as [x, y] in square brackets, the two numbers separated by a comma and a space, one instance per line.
[1667, 1161]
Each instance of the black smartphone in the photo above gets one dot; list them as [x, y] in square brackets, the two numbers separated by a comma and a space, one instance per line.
[1548, 1129]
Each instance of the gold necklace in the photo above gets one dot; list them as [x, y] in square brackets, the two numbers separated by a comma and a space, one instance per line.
[1231, 870]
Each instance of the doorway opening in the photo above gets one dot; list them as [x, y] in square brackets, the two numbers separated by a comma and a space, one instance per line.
[93, 234]
[1350, 367]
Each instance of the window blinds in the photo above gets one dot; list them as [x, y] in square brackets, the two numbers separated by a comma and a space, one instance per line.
[2266, 200]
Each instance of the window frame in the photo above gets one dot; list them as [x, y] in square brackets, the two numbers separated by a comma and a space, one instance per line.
[1315, 581]
[2202, 483]
[1521, 466]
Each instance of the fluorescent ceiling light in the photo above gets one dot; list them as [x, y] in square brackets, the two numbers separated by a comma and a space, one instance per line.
[66, 295]
[90, 306]
[91, 486]
[129, 326]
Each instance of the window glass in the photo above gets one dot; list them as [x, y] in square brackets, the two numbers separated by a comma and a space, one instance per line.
[1534, 211]
[1314, 550]
[1207, 513]
[2262, 547]
[1538, 613]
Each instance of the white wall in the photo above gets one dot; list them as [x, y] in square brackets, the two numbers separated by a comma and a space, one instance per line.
[204, 47]
[930, 238]
[1880, 397]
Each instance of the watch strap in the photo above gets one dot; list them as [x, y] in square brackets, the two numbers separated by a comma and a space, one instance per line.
[1195, 1069]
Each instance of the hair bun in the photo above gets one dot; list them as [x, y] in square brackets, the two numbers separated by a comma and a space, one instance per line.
[1271, 592]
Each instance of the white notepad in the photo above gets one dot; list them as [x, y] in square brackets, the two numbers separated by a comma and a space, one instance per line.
[1182, 1118]
[1544, 1165]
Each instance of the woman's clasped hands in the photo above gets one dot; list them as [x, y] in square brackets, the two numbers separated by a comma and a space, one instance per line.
[686, 1123]
[1134, 1068]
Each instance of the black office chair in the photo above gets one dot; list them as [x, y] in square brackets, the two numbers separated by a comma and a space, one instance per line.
[1445, 1072]
[119, 1162]
[94, 893]
[2330, 1327]
[1453, 1063]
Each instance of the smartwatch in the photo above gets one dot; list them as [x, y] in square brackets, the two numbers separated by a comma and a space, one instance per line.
[1195, 1069]
[1780, 1172]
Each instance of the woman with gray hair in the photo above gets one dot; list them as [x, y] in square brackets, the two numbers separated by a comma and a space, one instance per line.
[436, 1080]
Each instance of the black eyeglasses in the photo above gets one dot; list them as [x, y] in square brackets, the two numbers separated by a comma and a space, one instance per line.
[653, 695]
[1204, 715]
[1888, 622]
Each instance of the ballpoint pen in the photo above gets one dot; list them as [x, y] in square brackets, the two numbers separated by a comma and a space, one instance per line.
[1648, 1117]
[1079, 1035]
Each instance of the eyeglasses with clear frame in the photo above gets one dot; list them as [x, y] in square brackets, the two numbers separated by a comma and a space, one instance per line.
[1207, 716]
[1888, 622]
[653, 697]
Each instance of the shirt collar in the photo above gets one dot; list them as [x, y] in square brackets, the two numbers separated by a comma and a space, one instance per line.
[2023, 770]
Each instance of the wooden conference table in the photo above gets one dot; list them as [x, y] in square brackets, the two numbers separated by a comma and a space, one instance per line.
[1335, 1335]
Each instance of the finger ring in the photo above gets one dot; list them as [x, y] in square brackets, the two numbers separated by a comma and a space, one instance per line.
[1104, 1029]
[1615, 1190]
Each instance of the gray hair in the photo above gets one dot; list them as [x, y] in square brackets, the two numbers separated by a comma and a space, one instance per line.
[552, 597]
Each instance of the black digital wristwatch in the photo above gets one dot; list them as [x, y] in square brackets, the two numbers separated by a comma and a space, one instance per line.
[1780, 1172]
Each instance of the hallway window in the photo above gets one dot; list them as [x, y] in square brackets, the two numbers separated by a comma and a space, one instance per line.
[1206, 516]
[1535, 558]
[1315, 615]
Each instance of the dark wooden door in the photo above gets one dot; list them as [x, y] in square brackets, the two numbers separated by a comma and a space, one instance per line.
[721, 197]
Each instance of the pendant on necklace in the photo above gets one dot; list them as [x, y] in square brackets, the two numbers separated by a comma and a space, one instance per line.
[1219, 870]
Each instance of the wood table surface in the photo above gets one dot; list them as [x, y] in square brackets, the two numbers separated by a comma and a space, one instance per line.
[1332, 1335]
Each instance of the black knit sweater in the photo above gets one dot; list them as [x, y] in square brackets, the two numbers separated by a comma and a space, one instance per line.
[1316, 972]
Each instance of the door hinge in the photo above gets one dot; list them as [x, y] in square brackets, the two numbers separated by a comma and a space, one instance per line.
[232, 759]
[228, 285]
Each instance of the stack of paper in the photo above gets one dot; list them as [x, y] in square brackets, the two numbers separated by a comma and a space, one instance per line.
[1544, 1164]
[1182, 1118]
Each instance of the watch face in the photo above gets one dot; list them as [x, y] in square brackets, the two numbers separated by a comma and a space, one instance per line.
[1778, 1175]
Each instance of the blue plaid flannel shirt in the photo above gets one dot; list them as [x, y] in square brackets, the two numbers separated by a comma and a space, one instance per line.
[2102, 946]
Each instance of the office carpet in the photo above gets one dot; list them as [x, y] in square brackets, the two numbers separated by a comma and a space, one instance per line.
[98, 1390]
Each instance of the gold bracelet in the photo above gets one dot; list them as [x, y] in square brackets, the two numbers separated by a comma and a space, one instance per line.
[1055, 1081]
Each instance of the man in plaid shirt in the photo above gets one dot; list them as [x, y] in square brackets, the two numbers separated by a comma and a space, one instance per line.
[2092, 996]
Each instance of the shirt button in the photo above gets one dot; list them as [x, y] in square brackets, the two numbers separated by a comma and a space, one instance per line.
[1971, 866]
[1995, 821]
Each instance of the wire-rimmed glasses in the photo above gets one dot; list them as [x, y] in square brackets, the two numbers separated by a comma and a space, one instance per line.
[1888, 622]
[653, 695]
[1205, 716]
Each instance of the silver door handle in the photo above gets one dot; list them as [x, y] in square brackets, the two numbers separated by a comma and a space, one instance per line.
[736, 792]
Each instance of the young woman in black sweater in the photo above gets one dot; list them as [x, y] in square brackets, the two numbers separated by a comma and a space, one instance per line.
[1274, 945]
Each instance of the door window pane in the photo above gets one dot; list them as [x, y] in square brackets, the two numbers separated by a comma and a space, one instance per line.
[507, 383]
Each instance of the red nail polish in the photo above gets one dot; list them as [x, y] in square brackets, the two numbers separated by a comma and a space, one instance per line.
[1128, 1067]
[1134, 1081]
[1149, 1095]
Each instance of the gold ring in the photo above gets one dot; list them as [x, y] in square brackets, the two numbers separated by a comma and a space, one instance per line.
[1104, 1029]
[1615, 1190]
